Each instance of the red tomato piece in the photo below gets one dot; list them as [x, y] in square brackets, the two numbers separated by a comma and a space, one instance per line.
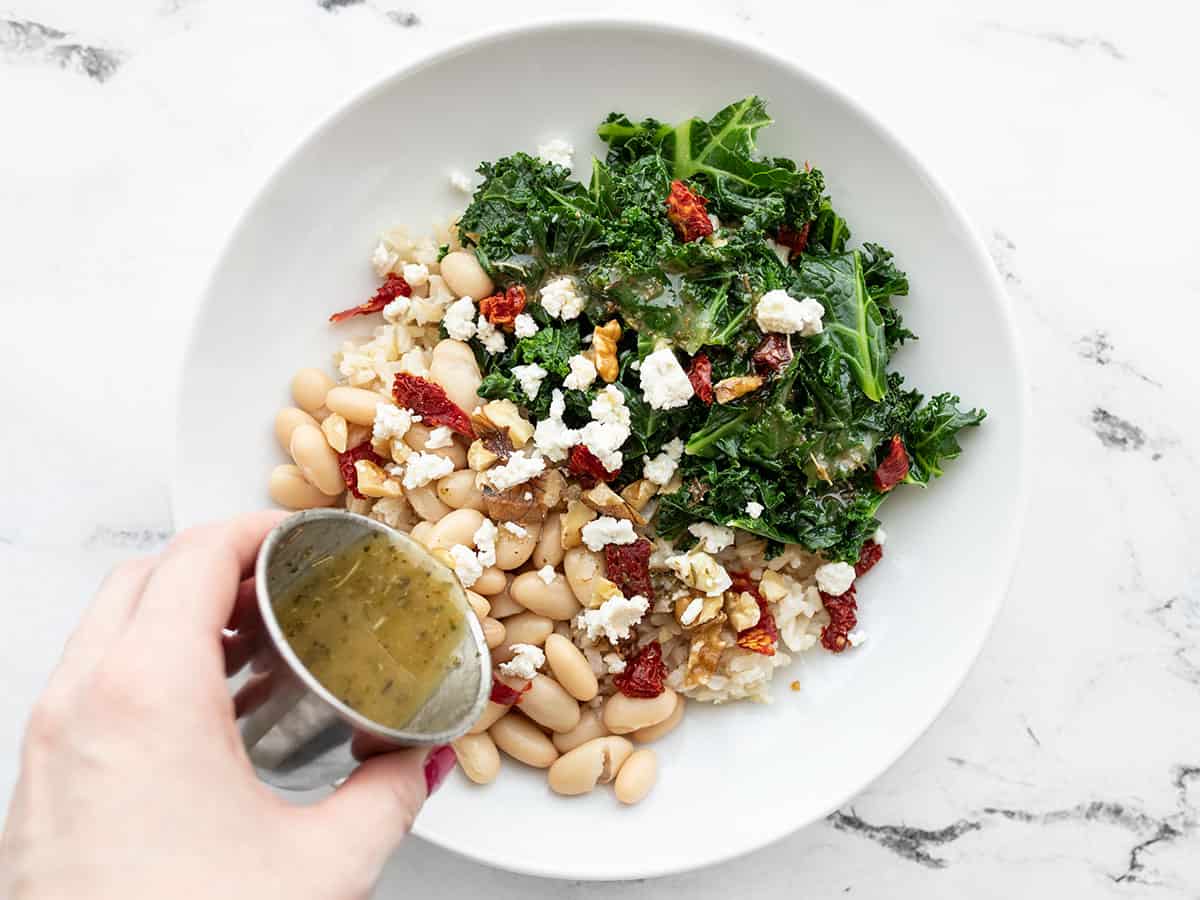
[347, 460]
[430, 402]
[645, 675]
[585, 466]
[700, 375]
[687, 211]
[894, 468]
[628, 567]
[393, 286]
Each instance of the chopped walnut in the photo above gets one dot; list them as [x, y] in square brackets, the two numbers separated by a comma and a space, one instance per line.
[479, 457]
[571, 523]
[528, 502]
[692, 611]
[336, 431]
[704, 655]
[742, 610]
[504, 416]
[608, 502]
[603, 590]
[730, 389]
[374, 482]
[604, 349]
[639, 493]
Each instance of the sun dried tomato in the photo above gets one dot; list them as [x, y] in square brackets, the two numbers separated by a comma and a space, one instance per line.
[503, 307]
[628, 567]
[347, 460]
[700, 375]
[843, 616]
[795, 241]
[506, 696]
[686, 211]
[772, 355]
[431, 403]
[763, 636]
[645, 675]
[870, 554]
[894, 468]
[585, 466]
[393, 286]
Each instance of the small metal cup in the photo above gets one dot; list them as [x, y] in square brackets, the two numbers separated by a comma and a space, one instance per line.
[298, 735]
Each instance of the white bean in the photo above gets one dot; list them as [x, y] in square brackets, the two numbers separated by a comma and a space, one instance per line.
[599, 760]
[309, 387]
[523, 628]
[420, 533]
[289, 488]
[625, 714]
[571, 668]
[425, 502]
[456, 527]
[512, 551]
[458, 491]
[465, 276]
[288, 420]
[549, 705]
[454, 368]
[553, 600]
[478, 757]
[503, 605]
[523, 741]
[583, 569]
[549, 550]
[662, 729]
[637, 776]
[494, 632]
[479, 605]
[317, 460]
[353, 404]
[590, 726]
[492, 713]
[417, 437]
[492, 581]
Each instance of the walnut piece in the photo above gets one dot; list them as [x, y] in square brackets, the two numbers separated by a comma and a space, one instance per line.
[639, 493]
[729, 389]
[742, 610]
[604, 349]
[704, 655]
[608, 502]
[374, 482]
[504, 415]
[572, 521]
[694, 610]
[336, 431]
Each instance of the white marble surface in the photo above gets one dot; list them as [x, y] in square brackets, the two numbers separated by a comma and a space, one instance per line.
[133, 131]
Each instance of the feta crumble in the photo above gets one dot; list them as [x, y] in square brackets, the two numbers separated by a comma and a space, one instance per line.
[459, 320]
[754, 509]
[778, 312]
[661, 469]
[516, 530]
[665, 384]
[524, 326]
[546, 573]
[700, 571]
[466, 564]
[557, 151]
[416, 274]
[609, 428]
[383, 258]
[527, 659]
[530, 378]
[712, 538]
[880, 536]
[397, 311]
[583, 373]
[440, 437]
[423, 468]
[561, 299]
[607, 530]
[460, 182]
[485, 543]
[614, 619]
[615, 663]
[391, 422]
[519, 469]
[835, 578]
[489, 335]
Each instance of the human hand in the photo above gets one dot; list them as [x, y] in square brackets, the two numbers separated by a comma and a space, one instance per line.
[134, 782]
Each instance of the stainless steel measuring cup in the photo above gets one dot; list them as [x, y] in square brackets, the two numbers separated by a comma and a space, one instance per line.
[298, 735]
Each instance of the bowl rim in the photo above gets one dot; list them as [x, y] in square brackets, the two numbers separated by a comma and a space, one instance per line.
[703, 31]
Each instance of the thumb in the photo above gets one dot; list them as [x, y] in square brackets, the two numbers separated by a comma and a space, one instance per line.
[375, 807]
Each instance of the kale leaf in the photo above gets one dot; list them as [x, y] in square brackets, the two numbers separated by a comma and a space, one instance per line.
[931, 436]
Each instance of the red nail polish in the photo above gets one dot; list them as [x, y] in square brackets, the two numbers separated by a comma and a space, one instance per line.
[437, 766]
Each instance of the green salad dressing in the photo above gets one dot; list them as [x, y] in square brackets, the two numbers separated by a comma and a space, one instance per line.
[377, 625]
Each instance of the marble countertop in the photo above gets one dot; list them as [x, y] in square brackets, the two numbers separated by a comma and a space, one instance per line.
[1069, 763]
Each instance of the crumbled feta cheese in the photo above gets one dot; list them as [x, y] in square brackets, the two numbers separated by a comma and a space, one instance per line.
[527, 659]
[712, 538]
[459, 320]
[664, 383]
[700, 571]
[489, 335]
[561, 299]
[661, 469]
[460, 182]
[557, 151]
[778, 312]
[398, 310]
[781, 251]
[880, 536]
[485, 542]
[607, 530]
[530, 378]
[714, 222]
[609, 428]
[415, 362]
[546, 573]
[856, 637]
[516, 530]
[692, 612]
[466, 564]
[524, 326]
[551, 436]
[423, 468]
[615, 663]
[614, 619]
[835, 578]
[383, 258]
[519, 469]
[440, 437]
[583, 373]
[391, 422]
[416, 274]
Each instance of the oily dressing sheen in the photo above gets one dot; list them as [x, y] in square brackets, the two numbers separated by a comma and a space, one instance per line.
[376, 625]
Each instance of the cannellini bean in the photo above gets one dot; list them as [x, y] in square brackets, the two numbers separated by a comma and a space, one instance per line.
[493, 632]
[492, 713]
[355, 405]
[549, 705]
[553, 600]
[662, 729]
[583, 569]
[549, 551]
[425, 503]
[309, 387]
[479, 605]
[317, 460]
[456, 527]
[417, 437]
[523, 741]
[288, 487]
[288, 420]
[637, 776]
[523, 628]
[420, 533]
[590, 726]
[599, 760]
[492, 581]
[625, 714]
[454, 368]
[571, 668]
[478, 757]
[511, 551]
[465, 276]
[458, 491]
[503, 605]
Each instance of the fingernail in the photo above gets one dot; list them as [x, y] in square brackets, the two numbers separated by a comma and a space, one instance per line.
[437, 766]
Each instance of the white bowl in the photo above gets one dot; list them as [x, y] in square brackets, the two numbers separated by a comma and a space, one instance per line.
[732, 778]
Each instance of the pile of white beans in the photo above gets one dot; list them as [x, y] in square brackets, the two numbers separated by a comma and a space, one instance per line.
[561, 723]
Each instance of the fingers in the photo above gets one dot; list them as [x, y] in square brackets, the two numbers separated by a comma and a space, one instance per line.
[373, 811]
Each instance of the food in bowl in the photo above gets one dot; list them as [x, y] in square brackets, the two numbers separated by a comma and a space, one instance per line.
[647, 420]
